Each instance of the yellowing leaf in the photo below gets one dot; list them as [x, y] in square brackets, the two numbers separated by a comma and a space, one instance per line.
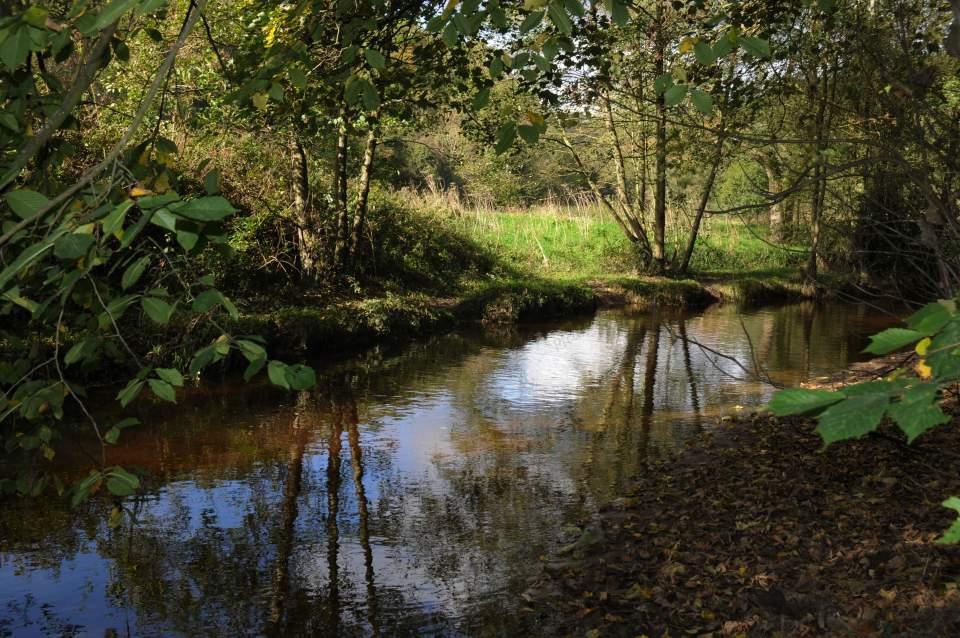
[260, 100]
[923, 370]
[162, 183]
[922, 346]
[139, 191]
[535, 118]
[271, 35]
[686, 45]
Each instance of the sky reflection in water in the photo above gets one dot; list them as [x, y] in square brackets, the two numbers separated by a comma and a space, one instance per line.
[406, 495]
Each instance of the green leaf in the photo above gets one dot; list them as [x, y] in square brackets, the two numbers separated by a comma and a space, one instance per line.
[450, 35]
[210, 298]
[170, 375]
[558, 15]
[72, 246]
[942, 352]
[757, 47]
[163, 390]
[675, 94]
[164, 219]
[114, 221]
[205, 209]
[187, 240]
[800, 401]
[277, 371]
[77, 352]
[9, 120]
[918, 411]
[374, 58]
[156, 201]
[371, 99]
[300, 377]
[201, 359]
[25, 203]
[531, 21]
[15, 48]
[112, 12]
[36, 16]
[892, 339]
[133, 273]
[704, 53]
[27, 257]
[112, 436]
[853, 417]
[530, 134]
[930, 319]
[211, 182]
[82, 491]
[250, 350]
[703, 101]
[662, 83]
[122, 483]
[481, 99]
[297, 78]
[130, 392]
[618, 12]
[157, 309]
[276, 92]
[505, 136]
[254, 367]
[722, 47]
[952, 535]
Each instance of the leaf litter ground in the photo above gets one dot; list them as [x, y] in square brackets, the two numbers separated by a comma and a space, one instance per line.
[756, 530]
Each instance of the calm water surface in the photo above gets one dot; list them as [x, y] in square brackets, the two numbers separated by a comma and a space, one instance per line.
[409, 494]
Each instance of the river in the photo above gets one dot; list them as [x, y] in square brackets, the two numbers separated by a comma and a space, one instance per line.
[412, 492]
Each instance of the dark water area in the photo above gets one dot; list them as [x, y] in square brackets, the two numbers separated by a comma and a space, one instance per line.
[411, 494]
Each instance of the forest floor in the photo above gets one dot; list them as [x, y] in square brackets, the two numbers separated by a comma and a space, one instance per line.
[756, 530]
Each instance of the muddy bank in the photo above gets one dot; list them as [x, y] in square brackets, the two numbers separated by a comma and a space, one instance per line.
[756, 530]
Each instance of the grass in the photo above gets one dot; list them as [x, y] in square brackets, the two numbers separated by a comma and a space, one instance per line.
[579, 238]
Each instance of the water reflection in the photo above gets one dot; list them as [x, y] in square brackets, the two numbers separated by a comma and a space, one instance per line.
[406, 495]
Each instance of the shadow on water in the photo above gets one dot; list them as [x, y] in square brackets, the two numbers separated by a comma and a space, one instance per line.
[406, 495]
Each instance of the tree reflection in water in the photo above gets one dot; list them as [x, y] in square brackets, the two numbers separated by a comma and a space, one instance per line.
[467, 455]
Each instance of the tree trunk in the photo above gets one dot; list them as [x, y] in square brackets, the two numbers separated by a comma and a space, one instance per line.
[704, 199]
[660, 201]
[340, 189]
[308, 226]
[363, 193]
[819, 184]
[777, 207]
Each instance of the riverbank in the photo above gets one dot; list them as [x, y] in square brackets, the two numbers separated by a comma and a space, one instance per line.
[349, 324]
[756, 530]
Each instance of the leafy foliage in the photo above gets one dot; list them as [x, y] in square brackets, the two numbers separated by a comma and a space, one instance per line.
[97, 259]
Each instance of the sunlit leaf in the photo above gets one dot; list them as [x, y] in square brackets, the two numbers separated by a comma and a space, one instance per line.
[801, 401]
[892, 339]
